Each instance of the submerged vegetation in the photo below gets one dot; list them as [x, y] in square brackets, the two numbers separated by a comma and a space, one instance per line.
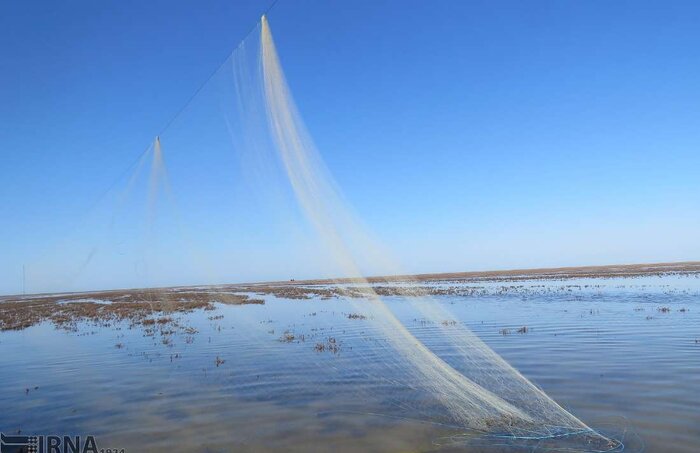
[331, 335]
[138, 307]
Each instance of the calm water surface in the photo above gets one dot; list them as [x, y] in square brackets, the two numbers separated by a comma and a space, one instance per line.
[600, 347]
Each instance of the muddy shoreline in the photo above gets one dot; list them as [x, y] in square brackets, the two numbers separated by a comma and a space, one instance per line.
[554, 273]
[143, 307]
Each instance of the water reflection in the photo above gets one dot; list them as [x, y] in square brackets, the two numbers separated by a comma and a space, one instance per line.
[253, 377]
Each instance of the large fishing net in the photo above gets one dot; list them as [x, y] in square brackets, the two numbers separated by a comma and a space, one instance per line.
[274, 188]
[487, 394]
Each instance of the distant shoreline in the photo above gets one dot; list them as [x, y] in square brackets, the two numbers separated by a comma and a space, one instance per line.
[610, 270]
[137, 306]
[549, 273]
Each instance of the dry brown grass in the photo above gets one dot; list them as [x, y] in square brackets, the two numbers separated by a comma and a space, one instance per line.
[139, 307]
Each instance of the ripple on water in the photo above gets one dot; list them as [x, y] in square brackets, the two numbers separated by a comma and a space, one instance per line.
[601, 348]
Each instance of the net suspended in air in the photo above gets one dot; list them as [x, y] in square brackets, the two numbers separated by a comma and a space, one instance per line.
[274, 182]
[486, 394]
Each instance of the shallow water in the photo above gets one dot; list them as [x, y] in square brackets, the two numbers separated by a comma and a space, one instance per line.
[600, 347]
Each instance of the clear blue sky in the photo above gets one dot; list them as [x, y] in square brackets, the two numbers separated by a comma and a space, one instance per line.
[467, 134]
